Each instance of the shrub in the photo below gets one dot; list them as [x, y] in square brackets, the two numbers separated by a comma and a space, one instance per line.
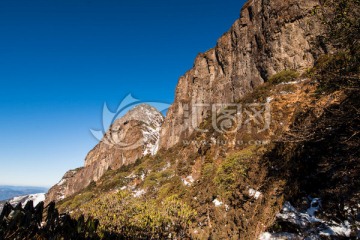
[232, 169]
[120, 213]
[284, 76]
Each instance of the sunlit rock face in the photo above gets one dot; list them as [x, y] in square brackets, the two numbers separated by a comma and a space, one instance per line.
[129, 138]
[269, 36]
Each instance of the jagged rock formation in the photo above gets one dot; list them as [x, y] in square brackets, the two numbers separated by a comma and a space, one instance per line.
[129, 138]
[226, 186]
[270, 36]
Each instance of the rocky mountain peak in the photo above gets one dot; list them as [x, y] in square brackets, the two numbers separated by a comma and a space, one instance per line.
[130, 137]
[270, 36]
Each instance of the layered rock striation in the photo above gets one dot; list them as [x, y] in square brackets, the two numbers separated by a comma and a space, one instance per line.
[270, 36]
[129, 138]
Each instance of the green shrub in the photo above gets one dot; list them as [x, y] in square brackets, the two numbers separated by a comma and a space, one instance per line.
[80, 199]
[259, 94]
[232, 169]
[123, 214]
[284, 76]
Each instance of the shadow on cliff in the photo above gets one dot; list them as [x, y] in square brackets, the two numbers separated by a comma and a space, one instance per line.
[320, 157]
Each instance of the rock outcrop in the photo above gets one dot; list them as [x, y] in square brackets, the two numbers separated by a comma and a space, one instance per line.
[270, 36]
[129, 138]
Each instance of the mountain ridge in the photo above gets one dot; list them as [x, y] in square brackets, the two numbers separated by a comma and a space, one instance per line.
[129, 138]
[282, 163]
[267, 38]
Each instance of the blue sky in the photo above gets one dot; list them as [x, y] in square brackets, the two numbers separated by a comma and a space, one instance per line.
[60, 60]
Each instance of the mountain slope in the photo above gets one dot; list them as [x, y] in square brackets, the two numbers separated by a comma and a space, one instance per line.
[129, 138]
[270, 36]
[228, 191]
[277, 158]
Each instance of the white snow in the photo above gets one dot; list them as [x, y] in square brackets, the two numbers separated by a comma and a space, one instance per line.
[61, 182]
[314, 207]
[227, 208]
[188, 181]
[167, 166]
[36, 198]
[278, 236]
[152, 132]
[290, 214]
[139, 193]
[255, 194]
[217, 203]
[131, 176]
[305, 220]
[151, 140]
[269, 99]
[293, 82]
[265, 236]
[334, 229]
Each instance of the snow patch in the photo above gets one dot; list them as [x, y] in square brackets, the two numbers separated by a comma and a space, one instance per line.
[293, 82]
[168, 165]
[265, 236]
[61, 182]
[305, 221]
[36, 198]
[188, 181]
[334, 229]
[227, 208]
[217, 203]
[254, 194]
[152, 132]
[139, 193]
[278, 236]
[314, 207]
[269, 99]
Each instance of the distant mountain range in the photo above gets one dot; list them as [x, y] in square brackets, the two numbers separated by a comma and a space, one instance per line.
[9, 192]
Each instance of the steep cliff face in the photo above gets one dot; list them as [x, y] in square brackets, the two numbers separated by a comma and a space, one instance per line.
[300, 169]
[129, 138]
[270, 36]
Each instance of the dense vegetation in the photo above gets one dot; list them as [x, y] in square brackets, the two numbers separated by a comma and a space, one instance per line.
[122, 214]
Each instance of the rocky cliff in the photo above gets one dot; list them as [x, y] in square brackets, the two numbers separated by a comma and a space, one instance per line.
[300, 181]
[270, 36]
[129, 138]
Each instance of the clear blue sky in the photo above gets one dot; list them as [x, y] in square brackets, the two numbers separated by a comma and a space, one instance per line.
[60, 60]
